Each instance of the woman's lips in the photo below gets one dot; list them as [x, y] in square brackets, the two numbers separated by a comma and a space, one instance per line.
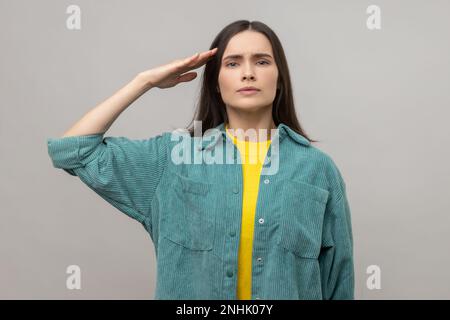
[248, 91]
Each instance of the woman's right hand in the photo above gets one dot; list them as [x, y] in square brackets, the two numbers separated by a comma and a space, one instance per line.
[169, 75]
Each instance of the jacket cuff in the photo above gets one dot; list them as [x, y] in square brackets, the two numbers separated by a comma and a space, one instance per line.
[73, 151]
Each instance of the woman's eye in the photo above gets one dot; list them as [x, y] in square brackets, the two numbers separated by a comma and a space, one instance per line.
[264, 62]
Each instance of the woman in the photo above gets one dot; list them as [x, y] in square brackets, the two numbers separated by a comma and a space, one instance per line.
[221, 229]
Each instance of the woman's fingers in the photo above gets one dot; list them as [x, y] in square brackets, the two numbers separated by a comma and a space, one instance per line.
[197, 60]
[206, 55]
[168, 75]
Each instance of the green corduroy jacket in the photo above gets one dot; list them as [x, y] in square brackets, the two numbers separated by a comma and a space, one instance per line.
[303, 244]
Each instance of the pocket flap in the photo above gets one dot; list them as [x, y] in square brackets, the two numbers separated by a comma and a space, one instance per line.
[310, 191]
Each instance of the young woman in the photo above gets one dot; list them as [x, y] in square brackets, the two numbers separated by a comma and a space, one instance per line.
[240, 229]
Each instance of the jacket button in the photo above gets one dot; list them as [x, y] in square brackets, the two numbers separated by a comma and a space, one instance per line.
[229, 273]
[266, 181]
[261, 221]
[232, 233]
[235, 190]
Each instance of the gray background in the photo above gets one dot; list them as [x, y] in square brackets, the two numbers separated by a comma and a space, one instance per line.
[377, 99]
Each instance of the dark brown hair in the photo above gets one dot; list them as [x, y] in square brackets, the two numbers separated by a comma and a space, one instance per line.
[211, 109]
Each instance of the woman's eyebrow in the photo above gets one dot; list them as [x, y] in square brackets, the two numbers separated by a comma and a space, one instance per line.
[255, 55]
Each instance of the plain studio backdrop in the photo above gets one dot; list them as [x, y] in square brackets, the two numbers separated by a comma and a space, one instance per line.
[376, 99]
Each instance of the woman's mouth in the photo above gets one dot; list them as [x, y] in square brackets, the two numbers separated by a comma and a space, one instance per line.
[248, 91]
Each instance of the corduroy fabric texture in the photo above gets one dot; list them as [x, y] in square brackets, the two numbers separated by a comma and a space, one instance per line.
[192, 212]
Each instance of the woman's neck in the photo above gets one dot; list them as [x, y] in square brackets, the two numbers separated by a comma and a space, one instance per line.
[254, 132]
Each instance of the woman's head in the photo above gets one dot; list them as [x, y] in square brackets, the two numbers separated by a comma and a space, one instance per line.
[224, 75]
[248, 61]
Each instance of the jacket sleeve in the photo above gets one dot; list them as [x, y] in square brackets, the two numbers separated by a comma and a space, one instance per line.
[122, 171]
[336, 256]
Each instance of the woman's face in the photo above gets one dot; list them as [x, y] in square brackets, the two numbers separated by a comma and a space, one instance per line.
[246, 68]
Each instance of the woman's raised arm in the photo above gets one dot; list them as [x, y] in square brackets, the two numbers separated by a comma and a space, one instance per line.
[99, 119]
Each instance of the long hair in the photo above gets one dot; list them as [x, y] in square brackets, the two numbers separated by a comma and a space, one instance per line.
[211, 109]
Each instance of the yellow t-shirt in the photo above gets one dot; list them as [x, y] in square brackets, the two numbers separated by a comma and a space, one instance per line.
[252, 155]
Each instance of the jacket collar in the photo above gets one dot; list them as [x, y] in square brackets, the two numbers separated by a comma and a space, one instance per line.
[282, 130]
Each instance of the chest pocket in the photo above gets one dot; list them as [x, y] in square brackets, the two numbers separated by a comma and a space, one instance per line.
[191, 213]
[301, 218]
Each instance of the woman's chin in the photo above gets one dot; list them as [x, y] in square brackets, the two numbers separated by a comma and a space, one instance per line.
[249, 107]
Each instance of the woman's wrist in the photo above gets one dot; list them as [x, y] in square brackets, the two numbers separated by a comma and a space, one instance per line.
[143, 80]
